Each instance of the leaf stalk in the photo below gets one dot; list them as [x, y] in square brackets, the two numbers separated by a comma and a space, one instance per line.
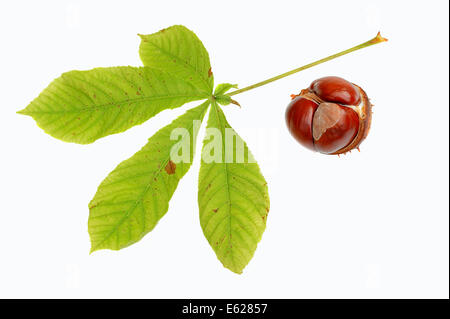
[377, 39]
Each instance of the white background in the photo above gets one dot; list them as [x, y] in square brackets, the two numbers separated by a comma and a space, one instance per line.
[368, 224]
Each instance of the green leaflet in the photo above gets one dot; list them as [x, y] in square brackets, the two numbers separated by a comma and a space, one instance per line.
[131, 200]
[179, 51]
[233, 198]
[219, 93]
[223, 88]
[223, 99]
[83, 106]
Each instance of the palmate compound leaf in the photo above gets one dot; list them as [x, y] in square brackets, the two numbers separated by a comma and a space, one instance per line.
[83, 106]
[180, 52]
[233, 197]
[131, 200]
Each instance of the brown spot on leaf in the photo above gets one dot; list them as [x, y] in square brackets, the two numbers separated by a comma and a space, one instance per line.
[170, 168]
[215, 210]
[210, 72]
[138, 93]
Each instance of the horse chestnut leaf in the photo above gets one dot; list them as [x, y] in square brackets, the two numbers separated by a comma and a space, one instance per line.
[332, 116]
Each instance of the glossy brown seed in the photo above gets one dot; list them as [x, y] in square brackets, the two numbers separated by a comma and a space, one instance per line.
[336, 89]
[334, 127]
[299, 115]
[332, 116]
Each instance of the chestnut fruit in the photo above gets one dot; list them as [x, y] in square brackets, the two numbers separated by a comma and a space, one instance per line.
[332, 116]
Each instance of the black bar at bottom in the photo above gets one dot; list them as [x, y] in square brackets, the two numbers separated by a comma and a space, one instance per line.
[233, 308]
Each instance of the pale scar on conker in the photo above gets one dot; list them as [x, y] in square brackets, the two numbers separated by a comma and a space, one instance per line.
[170, 168]
[332, 116]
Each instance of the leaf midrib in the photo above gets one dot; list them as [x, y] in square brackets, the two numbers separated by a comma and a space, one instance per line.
[216, 109]
[105, 106]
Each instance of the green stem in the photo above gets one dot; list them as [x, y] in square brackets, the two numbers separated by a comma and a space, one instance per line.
[377, 39]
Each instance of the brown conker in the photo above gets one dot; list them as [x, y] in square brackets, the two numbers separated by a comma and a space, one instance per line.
[332, 116]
